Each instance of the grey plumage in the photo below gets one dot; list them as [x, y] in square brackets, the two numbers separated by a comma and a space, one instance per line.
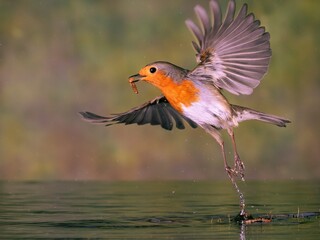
[244, 113]
[234, 54]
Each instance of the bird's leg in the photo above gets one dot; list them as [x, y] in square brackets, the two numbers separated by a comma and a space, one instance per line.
[216, 135]
[238, 164]
[230, 172]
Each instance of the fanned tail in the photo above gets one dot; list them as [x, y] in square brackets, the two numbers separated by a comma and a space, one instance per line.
[243, 114]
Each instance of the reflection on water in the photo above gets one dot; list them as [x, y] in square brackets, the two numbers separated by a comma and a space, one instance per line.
[145, 210]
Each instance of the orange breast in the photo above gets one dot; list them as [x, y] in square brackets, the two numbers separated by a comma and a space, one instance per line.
[178, 94]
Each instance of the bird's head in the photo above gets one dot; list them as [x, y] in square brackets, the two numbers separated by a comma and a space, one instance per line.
[160, 74]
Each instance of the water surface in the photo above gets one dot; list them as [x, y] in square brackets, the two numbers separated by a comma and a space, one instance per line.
[157, 210]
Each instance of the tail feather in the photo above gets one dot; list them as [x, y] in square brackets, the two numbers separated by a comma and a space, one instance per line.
[243, 114]
[94, 118]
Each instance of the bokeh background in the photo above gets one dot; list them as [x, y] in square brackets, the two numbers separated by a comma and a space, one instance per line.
[61, 57]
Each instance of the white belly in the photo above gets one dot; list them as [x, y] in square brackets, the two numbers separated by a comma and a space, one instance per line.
[211, 109]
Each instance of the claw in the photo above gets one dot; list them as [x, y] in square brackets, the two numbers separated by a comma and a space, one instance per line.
[239, 167]
[235, 172]
[231, 172]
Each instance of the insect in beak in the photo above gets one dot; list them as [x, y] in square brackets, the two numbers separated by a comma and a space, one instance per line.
[133, 79]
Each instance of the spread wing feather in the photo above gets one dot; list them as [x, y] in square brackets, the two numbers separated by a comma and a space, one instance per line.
[233, 54]
[155, 112]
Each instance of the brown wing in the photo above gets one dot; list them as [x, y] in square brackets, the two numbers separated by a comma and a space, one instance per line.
[155, 112]
[234, 53]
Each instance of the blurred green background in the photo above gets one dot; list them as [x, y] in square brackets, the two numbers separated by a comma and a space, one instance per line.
[61, 57]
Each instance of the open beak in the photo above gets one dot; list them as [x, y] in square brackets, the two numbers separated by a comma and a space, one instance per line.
[133, 79]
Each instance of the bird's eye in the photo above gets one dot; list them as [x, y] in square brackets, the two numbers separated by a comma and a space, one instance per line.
[152, 69]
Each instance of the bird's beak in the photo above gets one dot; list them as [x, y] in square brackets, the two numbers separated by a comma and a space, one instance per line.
[133, 79]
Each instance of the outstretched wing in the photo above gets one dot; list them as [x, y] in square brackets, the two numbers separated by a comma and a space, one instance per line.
[234, 53]
[155, 112]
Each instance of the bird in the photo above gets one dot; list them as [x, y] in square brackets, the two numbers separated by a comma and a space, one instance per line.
[232, 54]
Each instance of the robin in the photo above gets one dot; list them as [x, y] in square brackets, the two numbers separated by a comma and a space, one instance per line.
[233, 54]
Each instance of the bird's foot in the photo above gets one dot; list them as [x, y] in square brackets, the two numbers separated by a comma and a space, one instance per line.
[231, 172]
[239, 167]
[234, 173]
[237, 171]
